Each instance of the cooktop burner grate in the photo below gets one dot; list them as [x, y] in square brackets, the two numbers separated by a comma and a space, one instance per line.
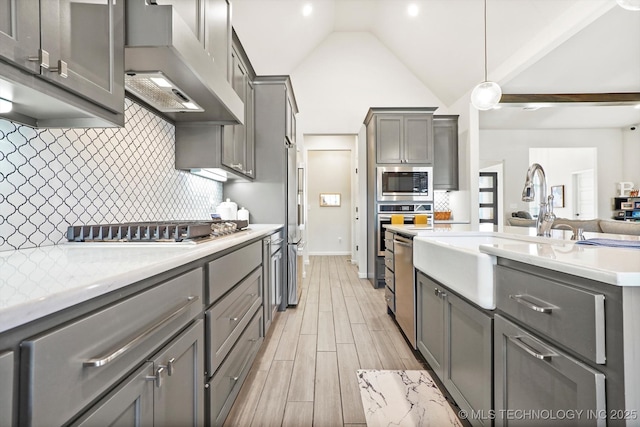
[165, 231]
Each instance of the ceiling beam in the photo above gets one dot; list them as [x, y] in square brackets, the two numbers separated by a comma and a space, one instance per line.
[583, 99]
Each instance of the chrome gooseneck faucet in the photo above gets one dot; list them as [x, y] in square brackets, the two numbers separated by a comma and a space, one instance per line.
[545, 215]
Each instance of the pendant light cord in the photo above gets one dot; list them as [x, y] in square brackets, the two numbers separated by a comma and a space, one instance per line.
[485, 41]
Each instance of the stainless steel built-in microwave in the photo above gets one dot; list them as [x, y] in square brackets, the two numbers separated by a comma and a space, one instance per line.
[403, 183]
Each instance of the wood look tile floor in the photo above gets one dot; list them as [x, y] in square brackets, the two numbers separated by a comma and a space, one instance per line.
[305, 371]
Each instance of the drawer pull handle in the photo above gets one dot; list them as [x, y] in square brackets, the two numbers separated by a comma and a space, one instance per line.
[113, 355]
[520, 299]
[518, 341]
[246, 362]
[233, 319]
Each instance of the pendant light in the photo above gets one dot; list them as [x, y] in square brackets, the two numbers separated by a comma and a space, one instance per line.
[629, 4]
[487, 94]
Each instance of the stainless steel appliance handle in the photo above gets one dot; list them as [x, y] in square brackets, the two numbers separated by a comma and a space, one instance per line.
[114, 354]
[531, 351]
[520, 299]
[277, 242]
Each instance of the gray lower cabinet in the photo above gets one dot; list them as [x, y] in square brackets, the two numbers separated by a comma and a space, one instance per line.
[71, 358]
[225, 385]
[533, 375]
[445, 152]
[129, 405]
[455, 338]
[430, 322]
[167, 391]
[6, 388]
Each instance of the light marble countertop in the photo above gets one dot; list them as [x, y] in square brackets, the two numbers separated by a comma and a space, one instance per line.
[615, 266]
[40, 281]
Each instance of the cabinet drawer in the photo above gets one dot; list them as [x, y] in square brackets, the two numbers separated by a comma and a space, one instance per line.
[388, 241]
[530, 374]
[226, 383]
[228, 317]
[568, 315]
[227, 271]
[389, 279]
[86, 357]
[390, 298]
[388, 259]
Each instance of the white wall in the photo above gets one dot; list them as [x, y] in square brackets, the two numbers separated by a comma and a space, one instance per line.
[346, 75]
[322, 238]
[559, 166]
[330, 228]
[512, 147]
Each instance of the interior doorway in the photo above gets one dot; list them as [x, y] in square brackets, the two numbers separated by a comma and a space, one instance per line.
[584, 203]
[330, 225]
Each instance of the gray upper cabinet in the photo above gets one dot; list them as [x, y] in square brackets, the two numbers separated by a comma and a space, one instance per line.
[218, 32]
[6, 388]
[290, 123]
[238, 140]
[85, 43]
[74, 57]
[445, 152]
[404, 138]
[20, 37]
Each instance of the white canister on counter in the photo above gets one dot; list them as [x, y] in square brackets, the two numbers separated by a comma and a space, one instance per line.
[228, 210]
[243, 215]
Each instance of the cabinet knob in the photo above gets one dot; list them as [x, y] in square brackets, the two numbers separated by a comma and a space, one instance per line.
[237, 166]
[61, 69]
[157, 378]
[42, 58]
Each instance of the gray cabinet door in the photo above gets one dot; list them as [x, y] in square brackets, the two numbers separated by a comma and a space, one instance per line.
[535, 376]
[192, 13]
[389, 136]
[6, 389]
[85, 42]
[179, 387]
[418, 139]
[129, 405]
[249, 128]
[218, 33]
[430, 322]
[20, 32]
[468, 372]
[445, 153]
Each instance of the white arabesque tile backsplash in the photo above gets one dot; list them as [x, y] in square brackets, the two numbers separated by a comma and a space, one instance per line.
[53, 178]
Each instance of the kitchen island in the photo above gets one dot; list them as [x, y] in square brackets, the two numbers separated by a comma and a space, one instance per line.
[560, 340]
[143, 330]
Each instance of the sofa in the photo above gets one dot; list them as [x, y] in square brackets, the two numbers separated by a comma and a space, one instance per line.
[588, 225]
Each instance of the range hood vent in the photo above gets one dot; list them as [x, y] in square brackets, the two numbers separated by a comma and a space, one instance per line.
[168, 69]
[159, 92]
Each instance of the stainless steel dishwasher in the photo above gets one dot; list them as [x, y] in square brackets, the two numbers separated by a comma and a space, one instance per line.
[405, 300]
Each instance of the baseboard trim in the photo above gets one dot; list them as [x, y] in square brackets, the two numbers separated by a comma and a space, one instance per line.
[362, 275]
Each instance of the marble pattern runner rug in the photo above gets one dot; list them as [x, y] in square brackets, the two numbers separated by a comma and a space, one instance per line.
[403, 398]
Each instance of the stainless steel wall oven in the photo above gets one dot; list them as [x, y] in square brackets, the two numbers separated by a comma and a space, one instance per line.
[409, 211]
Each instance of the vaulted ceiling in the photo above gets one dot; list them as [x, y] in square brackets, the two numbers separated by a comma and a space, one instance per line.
[534, 46]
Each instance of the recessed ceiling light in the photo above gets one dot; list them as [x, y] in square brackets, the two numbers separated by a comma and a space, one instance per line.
[531, 108]
[633, 5]
[307, 9]
[637, 106]
[413, 10]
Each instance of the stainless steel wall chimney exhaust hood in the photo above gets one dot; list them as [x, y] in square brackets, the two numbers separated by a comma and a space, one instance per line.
[160, 46]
